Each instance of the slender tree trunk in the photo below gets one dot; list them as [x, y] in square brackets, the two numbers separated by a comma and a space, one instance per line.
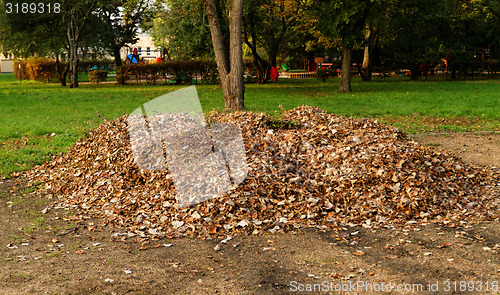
[76, 23]
[117, 55]
[231, 73]
[367, 63]
[61, 74]
[345, 79]
[261, 66]
[73, 61]
[366, 57]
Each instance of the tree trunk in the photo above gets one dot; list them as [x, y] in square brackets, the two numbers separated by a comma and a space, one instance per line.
[73, 61]
[61, 75]
[345, 79]
[272, 56]
[366, 67]
[117, 55]
[231, 74]
[366, 57]
[261, 66]
[76, 23]
[366, 73]
[414, 72]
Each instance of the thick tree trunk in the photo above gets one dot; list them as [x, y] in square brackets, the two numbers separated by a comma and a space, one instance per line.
[237, 87]
[231, 74]
[345, 79]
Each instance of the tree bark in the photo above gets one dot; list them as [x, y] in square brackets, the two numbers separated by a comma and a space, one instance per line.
[76, 23]
[261, 66]
[231, 73]
[73, 60]
[366, 73]
[366, 69]
[61, 75]
[366, 57]
[117, 55]
[345, 79]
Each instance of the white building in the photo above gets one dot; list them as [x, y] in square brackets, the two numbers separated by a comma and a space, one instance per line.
[6, 64]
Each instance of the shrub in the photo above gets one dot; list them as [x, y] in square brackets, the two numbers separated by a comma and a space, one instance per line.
[179, 71]
[39, 69]
[97, 76]
[323, 74]
[20, 71]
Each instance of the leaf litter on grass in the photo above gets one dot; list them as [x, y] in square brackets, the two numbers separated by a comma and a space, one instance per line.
[315, 169]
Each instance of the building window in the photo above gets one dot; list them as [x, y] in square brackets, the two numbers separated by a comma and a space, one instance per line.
[139, 51]
[148, 50]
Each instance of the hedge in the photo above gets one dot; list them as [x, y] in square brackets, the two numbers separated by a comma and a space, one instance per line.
[38, 69]
[178, 72]
[20, 71]
[97, 76]
[323, 74]
[43, 69]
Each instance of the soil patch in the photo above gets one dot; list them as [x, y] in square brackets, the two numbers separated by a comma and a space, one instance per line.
[479, 148]
[95, 259]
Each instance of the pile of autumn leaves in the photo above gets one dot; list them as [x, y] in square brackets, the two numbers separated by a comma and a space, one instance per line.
[307, 168]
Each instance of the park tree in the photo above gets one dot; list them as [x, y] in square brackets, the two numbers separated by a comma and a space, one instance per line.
[343, 22]
[42, 34]
[182, 27]
[35, 34]
[119, 22]
[30, 34]
[76, 14]
[375, 27]
[229, 58]
[415, 32]
[419, 33]
[267, 25]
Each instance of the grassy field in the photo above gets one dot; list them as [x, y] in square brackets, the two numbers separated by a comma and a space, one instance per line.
[39, 120]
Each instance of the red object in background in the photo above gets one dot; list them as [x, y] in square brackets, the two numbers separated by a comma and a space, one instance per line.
[311, 66]
[135, 51]
[274, 74]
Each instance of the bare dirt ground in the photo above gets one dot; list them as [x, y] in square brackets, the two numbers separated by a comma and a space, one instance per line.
[42, 253]
[472, 147]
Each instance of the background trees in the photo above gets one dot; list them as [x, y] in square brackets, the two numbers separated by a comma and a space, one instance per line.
[267, 26]
[344, 23]
[405, 34]
[118, 24]
[182, 26]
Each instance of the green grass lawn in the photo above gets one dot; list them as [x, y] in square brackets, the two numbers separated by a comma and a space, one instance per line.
[30, 111]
